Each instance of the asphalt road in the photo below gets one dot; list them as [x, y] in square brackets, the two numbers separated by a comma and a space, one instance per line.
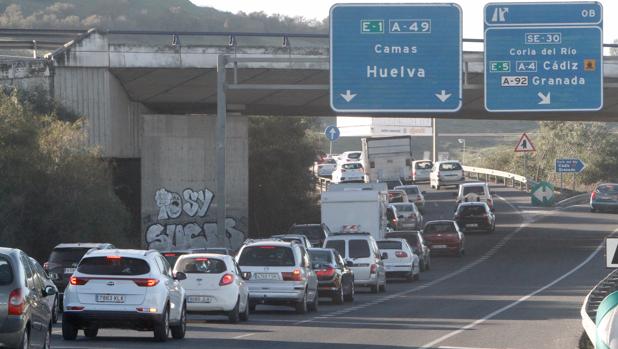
[520, 287]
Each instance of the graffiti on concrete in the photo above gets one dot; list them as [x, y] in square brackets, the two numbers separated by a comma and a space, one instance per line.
[173, 232]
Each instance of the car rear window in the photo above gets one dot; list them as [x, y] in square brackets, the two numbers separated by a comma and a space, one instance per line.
[172, 257]
[392, 184]
[410, 190]
[353, 166]
[67, 255]
[477, 189]
[113, 265]
[354, 155]
[268, 256]
[358, 249]
[412, 239]
[312, 233]
[6, 274]
[476, 210]
[201, 265]
[425, 165]
[337, 245]
[389, 245]
[321, 257]
[608, 189]
[439, 228]
[450, 166]
[405, 208]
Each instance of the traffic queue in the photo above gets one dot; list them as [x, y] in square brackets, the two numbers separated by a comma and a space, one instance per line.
[370, 232]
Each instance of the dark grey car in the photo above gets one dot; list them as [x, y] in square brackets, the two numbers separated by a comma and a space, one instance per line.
[25, 317]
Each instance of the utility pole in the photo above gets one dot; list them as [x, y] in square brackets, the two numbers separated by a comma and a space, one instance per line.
[434, 135]
[462, 141]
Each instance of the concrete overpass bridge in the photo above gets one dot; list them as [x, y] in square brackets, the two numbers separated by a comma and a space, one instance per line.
[154, 107]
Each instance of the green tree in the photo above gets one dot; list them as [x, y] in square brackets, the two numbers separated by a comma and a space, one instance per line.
[54, 188]
[281, 186]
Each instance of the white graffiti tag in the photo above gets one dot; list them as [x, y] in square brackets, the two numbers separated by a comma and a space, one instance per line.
[171, 206]
[191, 235]
[197, 202]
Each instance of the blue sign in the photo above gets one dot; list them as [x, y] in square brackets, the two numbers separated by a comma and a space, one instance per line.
[332, 133]
[543, 57]
[569, 165]
[395, 58]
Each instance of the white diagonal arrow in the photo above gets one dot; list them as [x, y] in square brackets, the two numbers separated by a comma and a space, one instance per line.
[348, 96]
[545, 99]
[443, 96]
[543, 194]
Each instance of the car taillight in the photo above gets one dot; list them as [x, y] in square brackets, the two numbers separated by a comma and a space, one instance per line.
[325, 273]
[374, 268]
[295, 275]
[401, 254]
[16, 302]
[226, 279]
[146, 282]
[594, 195]
[76, 281]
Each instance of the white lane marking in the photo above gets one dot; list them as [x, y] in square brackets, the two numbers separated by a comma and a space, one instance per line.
[463, 269]
[511, 305]
[243, 336]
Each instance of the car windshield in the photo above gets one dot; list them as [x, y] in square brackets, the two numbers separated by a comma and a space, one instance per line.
[268, 256]
[608, 189]
[439, 228]
[67, 255]
[389, 245]
[352, 166]
[392, 184]
[201, 265]
[113, 265]
[6, 274]
[311, 232]
[321, 257]
[405, 207]
[450, 166]
[424, 165]
[359, 249]
[476, 210]
[474, 189]
[337, 245]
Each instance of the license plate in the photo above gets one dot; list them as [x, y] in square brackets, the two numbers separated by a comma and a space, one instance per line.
[199, 299]
[69, 270]
[472, 225]
[439, 246]
[266, 276]
[110, 298]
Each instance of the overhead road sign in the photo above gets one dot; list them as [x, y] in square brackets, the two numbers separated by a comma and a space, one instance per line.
[569, 165]
[543, 56]
[524, 145]
[611, 252]
[542, 194]
[332, 133]
[395, 58]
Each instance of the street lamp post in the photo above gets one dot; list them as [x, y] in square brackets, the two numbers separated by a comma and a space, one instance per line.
[462, 141]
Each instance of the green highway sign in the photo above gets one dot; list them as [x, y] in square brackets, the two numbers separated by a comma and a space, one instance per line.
[372, 26]
[500, 66]
[542, 194]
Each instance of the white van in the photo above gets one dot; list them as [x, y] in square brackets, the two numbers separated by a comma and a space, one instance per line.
[421, 169]
[446, 173]
[475, 192]
[362, 250]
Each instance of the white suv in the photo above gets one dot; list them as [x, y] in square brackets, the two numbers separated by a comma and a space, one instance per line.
[126, 289]
[279, 273]
[362, 250]
[446, 173]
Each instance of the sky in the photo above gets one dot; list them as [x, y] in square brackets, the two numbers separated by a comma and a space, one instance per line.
[318, 9]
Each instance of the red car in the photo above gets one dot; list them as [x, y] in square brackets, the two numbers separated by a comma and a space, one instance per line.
[444, 237]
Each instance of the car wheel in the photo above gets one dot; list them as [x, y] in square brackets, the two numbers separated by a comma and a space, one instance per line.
[301, 306]
[252, 307]
[48, 335]
[244, 316]
[423, 265]
[178, 331]
[69, 330]
[338, 297]
[350, 296]
[382, 287]
[91, 332]
[55, 307]
[162, 327]
[375, 288]
[417, 276]
[313, 306]
[25, 340]
[234, 315]
[437, 187]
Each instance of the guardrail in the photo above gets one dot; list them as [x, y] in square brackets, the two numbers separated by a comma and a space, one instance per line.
[506, 178]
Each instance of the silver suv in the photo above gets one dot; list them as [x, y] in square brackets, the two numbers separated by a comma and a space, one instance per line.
[279, 273]
[25, 317]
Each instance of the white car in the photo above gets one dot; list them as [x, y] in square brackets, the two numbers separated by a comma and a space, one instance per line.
[400, 261]
[326, 168]
[351, 172]
[446, 173]
[214, 285]
[350, 156]
[415, 195]
[361, 249]
[279, 273]
[421, 169]
[475, 192]
[125, 289]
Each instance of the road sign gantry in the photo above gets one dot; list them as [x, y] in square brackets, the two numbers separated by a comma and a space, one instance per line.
[395, 58]
[543, 56]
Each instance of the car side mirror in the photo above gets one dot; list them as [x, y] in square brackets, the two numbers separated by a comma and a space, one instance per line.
[349, 263]
[384, 255]
[180, 276]
[49, 291]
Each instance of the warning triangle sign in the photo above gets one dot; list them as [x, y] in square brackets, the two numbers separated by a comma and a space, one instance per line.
[524, 145]
[611, 252]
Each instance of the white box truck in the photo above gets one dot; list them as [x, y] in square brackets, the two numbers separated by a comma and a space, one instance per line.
[362, 207]
[388, 158]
